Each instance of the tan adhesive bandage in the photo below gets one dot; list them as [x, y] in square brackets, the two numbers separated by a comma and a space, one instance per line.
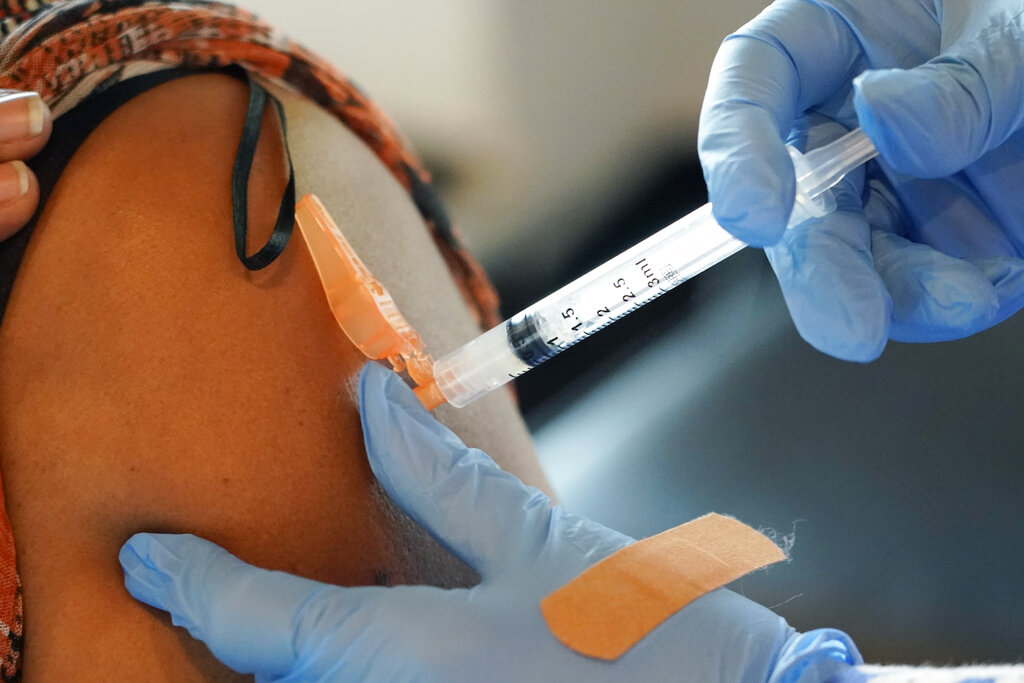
[612, 605]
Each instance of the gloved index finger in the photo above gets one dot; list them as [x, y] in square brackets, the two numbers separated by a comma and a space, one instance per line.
[793, 56]
[250, 618]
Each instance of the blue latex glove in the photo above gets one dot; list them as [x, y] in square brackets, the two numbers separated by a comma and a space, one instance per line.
[285, 628]
[927, 247]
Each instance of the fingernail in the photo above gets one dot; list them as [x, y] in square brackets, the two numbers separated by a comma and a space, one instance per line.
[129, 558]
[13, 180]
[143, 580]
[21, 116]
[137, 550]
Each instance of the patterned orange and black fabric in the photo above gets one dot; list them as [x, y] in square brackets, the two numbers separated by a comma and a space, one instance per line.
[69, 49]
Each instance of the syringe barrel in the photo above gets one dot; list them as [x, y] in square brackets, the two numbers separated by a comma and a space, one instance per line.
[478, 367]
[827, 165]
[654, 266]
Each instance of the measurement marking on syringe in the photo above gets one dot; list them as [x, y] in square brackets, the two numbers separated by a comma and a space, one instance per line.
[629, 295]
[648, 272]
[570, 313]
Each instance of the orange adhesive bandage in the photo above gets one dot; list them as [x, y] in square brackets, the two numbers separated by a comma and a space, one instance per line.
[362, 306]
[612, 605]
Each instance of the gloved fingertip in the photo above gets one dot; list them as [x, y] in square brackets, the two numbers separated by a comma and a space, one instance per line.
[380, 388]
[815, 656]
[747, 169]
[753, 198]
[143, 578]
[405, 445]
[864, 348]
[935, 297]
[875, 95]
[835, 297]
[153, 551]
[253, 620]
[385, 402]
[134, 548]
[865, 352]
[757, 231]
[917, 120]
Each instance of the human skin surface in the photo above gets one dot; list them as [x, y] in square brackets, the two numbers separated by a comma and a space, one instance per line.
[148, 382]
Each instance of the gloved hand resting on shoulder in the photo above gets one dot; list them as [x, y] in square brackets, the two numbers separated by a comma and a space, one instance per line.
[285, 628]
[928, 245]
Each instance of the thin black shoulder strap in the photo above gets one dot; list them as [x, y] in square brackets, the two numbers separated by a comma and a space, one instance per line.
[240, 183]
[71, 130]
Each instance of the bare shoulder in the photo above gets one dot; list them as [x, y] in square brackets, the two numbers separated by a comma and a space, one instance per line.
[100, 338]
[149, 382]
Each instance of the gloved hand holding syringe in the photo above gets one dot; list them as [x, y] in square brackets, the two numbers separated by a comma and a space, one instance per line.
[590, 303]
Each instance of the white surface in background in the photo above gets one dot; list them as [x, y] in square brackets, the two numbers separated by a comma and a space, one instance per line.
[537, 106]
[967, 674]
[430, 65]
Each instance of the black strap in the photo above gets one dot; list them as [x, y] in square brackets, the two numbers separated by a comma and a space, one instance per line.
[240, 184]
[71, 130]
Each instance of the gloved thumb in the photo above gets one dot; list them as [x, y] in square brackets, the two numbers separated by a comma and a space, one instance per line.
[481, 513]
[251, 619]
[934, 120]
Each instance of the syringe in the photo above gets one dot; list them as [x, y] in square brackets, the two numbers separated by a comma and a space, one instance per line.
[641, 274]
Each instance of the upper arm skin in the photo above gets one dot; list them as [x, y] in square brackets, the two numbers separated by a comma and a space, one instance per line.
[149, 382]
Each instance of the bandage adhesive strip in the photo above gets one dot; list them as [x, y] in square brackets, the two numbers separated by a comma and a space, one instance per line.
[612, 605]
